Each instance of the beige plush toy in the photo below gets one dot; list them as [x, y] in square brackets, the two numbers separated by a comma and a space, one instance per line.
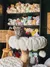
[36, 7]
[12, 9]
[33, 22]
[23, 8]
[18, 7]
[32, 8]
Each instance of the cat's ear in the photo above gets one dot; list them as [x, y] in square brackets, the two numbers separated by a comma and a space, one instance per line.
[14, 27]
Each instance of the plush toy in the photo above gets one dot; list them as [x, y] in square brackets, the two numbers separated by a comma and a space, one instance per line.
[32, 31]
[23, 8]
[27, 8]
[33, 58]
[25, 21]
[37, 7]
[12, 9]
[32, 8]
[29, 22]
[8, 10]
[35, 32]
[18, 7]
[29, 17]
[33, 22]
[42, 54]
[11, 21]
[27, 30]
[37, 18]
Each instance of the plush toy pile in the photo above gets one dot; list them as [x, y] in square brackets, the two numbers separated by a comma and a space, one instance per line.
[25, 21]
[23, 8]
[32, 32]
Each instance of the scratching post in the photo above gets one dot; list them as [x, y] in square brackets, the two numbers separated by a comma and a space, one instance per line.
[7, 51]
[24, 57]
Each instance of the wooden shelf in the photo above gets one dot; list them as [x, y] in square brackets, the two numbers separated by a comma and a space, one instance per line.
[27, 26]
[24, 14]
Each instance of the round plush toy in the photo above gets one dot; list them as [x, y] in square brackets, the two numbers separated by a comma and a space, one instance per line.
[42, 54]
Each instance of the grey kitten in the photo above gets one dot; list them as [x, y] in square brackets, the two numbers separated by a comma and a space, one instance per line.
[18, 31]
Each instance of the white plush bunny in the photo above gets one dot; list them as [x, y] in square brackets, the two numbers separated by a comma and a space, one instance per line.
[11, 22]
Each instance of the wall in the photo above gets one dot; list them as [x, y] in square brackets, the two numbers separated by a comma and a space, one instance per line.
[45, 10]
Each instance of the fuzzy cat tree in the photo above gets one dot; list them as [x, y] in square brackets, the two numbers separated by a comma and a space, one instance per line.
[26, 44]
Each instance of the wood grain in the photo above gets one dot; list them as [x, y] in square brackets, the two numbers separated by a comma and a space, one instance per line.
[48, 23]
[3, 34]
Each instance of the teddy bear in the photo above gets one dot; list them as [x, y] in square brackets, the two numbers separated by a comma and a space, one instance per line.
[11, 9]
[37, 7]
[23, 8]
[33, 22]
[37, 18]
[32, 8]
[18, 7]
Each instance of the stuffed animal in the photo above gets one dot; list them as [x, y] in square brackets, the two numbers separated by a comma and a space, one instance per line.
[32, 31]
[23, 8]
[32, 8]
[37, 18]
[33, 22]
[11, 21]
[42, 54]
[12, 9]
[37, 7]
[18, 7]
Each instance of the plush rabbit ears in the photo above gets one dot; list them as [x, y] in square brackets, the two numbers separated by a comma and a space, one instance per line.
[31, 43]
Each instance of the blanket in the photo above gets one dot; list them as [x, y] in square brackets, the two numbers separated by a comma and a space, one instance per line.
[11, 62]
